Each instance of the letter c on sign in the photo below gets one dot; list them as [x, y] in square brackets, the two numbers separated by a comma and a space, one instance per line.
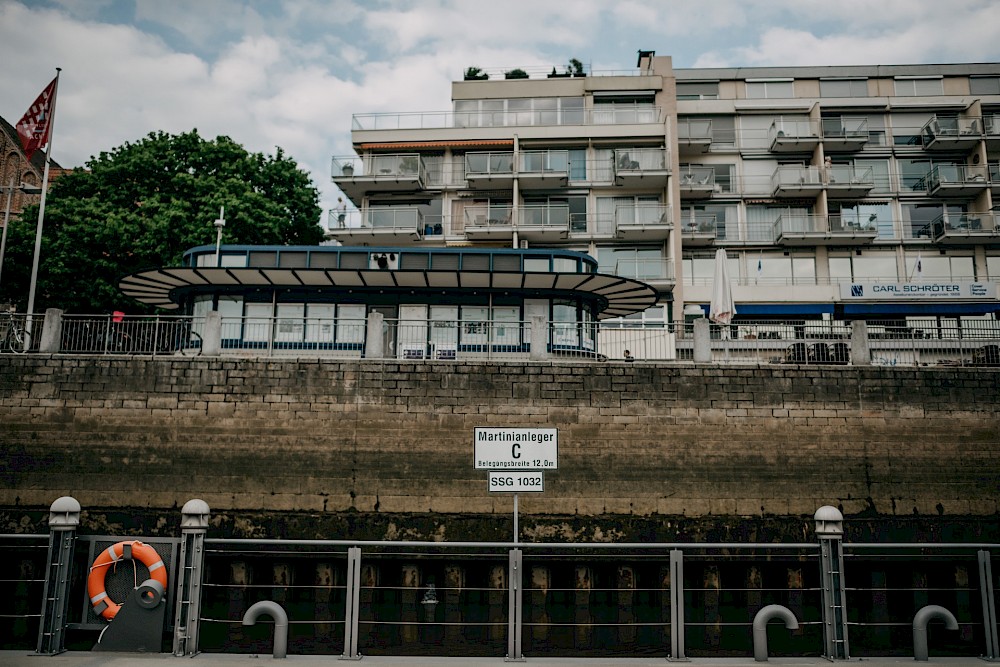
[514, 453]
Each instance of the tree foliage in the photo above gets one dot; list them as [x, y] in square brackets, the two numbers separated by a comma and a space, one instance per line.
[142, 205]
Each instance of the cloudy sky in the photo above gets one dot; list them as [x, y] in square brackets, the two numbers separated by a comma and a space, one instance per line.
[291, 73]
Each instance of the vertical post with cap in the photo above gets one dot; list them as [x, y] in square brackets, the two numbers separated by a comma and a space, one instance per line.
[830, 531]
[64, 517]
[194, 525]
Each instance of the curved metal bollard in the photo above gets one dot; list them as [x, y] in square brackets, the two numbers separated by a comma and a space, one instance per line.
[760, 621]
[924, 616]
[274, 610]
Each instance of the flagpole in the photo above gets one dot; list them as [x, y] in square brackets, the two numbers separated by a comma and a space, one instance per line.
[41, 213]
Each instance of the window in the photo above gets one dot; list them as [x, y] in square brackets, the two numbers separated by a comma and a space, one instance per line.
[700, 90]
[984, 85]
[862, 216]
[771, 89]
[939, 267]
[918, 219]
[780, 269]
[699, 268]
[919, 86]
[622, 109]
[519, 111]
[880, 172]
[761, 219]
[843, 88]
[869, 266]
[993, 267]
[637, 263]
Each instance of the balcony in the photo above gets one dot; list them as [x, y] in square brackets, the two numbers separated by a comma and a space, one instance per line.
[356, 177]
[966, 228]
[647, 270]
[694, 135]
[490, 170]
[951, 134]
[845, 134]
[698, 182]
[991, 125]
[543, 223]
[379, 224]
[796, 181]
[994, 171]
[641, 167]
[796, 229]
[847, 182]
[488, 223]
[543, 169]
[956, 181]
[793, 136]
[701, 229]
[643, 222]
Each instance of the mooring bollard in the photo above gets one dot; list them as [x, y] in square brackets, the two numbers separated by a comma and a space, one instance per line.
[274, 610]
[924, 616]
[760, 621]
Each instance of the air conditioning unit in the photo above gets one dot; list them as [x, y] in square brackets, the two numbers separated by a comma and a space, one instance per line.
[523, 245]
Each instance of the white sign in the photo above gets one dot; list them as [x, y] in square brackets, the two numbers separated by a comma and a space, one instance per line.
[516, 482]
[516, 448]
[936, 291]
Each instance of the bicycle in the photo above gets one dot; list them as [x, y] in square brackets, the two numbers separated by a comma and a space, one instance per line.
[12, 334]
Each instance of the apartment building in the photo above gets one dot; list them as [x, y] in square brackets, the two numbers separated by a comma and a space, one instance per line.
[837, 192]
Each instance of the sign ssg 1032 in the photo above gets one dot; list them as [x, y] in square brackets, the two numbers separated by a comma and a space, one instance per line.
[516, 448]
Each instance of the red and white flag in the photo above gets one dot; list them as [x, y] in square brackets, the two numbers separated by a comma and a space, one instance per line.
[33, 128]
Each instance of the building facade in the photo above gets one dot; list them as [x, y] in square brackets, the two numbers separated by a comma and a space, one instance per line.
[838, 193]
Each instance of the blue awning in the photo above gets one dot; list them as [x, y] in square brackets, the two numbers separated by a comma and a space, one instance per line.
[751, 310]
[925, 309]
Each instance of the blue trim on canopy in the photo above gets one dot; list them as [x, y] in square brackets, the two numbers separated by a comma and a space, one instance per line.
[928, 309]
[777, 309]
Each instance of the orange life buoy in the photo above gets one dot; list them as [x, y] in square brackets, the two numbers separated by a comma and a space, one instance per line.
[103, 604]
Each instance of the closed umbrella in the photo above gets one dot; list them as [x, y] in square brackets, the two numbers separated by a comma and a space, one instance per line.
[722, 308]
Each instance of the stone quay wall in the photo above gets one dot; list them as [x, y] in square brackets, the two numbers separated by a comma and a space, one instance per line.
[641, 446]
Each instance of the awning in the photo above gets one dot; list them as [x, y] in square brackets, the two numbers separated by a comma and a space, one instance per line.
[463, 143]
[164, 288]
[752, 310]
[920, 309]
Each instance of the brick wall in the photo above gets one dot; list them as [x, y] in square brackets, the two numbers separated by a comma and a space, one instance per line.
[395, 439]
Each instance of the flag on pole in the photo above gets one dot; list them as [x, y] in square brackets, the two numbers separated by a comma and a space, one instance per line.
[760, 265]
[918, 268]
[33, 128]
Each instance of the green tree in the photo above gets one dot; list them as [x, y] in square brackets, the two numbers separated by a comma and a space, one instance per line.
[142, 205]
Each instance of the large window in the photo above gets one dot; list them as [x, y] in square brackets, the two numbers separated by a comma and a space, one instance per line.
[697, 90]
[984, 85]
[862, 216]
[719, 219]
[843, 88]
[906, 86]
[638, 263]
[939, 267]
[519, 111]
[761, 220]
[874, 266]
[621, 109]
[918, 219]
[770, 89]
[906, 127]
[699, 267]
[769, 267]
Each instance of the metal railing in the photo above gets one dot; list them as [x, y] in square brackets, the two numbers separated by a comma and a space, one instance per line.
[134, 334]
[514, 599]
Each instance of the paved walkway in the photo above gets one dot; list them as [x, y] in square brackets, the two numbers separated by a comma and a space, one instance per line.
[80, 659]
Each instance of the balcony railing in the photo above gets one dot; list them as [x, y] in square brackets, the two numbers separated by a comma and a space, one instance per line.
[695, 132]
[848, 182]
[406, 165]
[956, 180]
[796, 181]
[968, 228]
[793, 135]
[489, 164]
[544, 216]
[802, 229]
[612, 115]
[845, 128]
[393, 218]
[950, 133]
[494, 217]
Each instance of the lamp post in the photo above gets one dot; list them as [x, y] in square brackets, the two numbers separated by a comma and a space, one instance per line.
[219, 224]
[10, 188]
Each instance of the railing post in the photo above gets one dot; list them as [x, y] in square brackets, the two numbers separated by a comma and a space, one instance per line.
[861, 354]
[989, 605]
[352, 601]
[211, 338]
[702, 341]
[515, 565]
[194, 525]
[374, 340]
[51, 332]
[677, 603]
[539, 338]
[830, 531]
[64, 517]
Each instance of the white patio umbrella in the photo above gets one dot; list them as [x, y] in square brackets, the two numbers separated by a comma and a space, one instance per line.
[722, 308]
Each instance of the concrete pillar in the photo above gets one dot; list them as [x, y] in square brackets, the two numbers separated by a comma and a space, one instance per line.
[712, 587]
[496, 599]
[51, 332]
[409, 596]
[211, 334]
[374, 340]
[702, 341]
[861, 354]
[194, 524]
[454, 586]
[583, 617]
[541, 582]
[539, 337]
[64, 517]
[626, 605]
